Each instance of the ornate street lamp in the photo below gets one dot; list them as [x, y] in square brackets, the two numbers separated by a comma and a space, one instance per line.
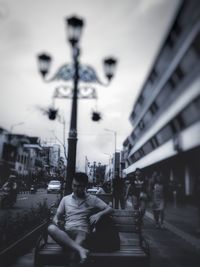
[78, 73]
[74, 29]
[44, 62]
[109, 67]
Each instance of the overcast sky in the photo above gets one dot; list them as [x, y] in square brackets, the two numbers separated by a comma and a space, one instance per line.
[130, 30]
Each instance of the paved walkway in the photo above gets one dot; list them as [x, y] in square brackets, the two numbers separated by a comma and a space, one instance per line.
[183, 221]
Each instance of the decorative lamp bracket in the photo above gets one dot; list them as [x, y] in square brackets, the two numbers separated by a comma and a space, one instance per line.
[83, 92]
[87, 74]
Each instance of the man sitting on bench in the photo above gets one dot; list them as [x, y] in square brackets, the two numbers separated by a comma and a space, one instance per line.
[80, 216]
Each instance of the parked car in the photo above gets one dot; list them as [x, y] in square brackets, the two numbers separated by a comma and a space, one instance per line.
[93, 190]
[54, 186]
[33, 189]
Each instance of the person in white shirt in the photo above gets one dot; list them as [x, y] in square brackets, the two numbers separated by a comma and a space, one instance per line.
[81, 212]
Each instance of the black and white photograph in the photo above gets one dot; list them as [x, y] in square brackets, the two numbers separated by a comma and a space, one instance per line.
[99, 133]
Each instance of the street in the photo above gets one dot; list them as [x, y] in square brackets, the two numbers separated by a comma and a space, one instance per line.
[26, 201]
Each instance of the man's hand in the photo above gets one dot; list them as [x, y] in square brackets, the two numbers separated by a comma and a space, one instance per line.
[95, 218]
[55, 221]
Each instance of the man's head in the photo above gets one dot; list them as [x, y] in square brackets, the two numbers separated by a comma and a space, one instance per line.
[138, 173]
[79, 184]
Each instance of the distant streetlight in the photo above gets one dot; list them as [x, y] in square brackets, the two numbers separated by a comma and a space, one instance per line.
[115, 136]
[15, 125]
[75, 72]
[109, 168]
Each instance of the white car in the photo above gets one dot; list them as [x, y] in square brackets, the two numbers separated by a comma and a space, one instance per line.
[54, 186]
[93, 190]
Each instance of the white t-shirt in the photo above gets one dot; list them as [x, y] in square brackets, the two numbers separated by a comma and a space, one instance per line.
[78, 210]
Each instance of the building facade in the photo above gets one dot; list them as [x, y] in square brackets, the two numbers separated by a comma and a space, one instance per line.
[51, 158]
[166, 115]
[19, 155]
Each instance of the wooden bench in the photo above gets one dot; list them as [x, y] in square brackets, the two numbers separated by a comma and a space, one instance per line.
[134, 249]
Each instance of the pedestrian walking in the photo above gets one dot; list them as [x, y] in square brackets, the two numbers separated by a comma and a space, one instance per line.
[158, 200]
[137, 191]
[118, 186]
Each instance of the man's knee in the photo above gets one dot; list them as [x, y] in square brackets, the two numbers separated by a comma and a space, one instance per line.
[52, 228]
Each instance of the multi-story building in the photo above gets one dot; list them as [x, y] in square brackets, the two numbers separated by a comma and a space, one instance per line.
[166, 115]
[19, 154]
[51, 157]
[34, 163]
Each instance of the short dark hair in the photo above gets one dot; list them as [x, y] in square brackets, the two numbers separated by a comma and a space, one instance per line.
[81, 177]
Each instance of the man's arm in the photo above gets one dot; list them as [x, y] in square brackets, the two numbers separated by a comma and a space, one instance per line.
[97, 216]
[57, 217]
[59, 213]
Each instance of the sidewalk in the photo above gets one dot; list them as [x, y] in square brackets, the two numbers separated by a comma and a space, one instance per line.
[181, 220]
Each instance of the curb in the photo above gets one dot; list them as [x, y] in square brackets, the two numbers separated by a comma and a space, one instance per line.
[187, 237]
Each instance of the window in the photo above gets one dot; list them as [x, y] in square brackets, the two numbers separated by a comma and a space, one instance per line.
[176, 77]
[154, 142]
[133, 135]
[131, 160]
[189, 60]
[141, 125]
[137, 109]
[163, 95]
[196, 44]
[175, 32]
[147, 89]
[190, 114]
[141, 151]
[179, 73]
[153, 108]
[177, 124]
[137, 155]
[197, 103]
[164, 134]
[153, 76]
[137, 131]
[147, 117]
[147, 147]
[132, 115]
[141, 99]
[172, 83]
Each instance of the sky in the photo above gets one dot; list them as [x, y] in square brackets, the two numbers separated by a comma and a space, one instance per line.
[130, 30]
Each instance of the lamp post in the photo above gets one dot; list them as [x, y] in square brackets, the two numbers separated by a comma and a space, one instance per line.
[77, 73]
[115, 137]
